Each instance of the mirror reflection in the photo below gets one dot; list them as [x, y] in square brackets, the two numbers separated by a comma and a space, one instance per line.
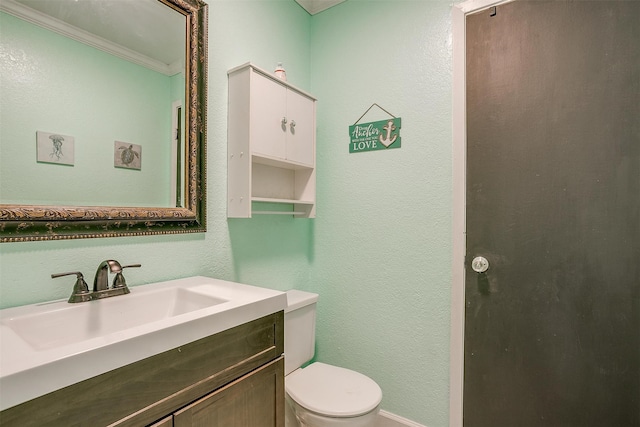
[59, 126]
[93, 103]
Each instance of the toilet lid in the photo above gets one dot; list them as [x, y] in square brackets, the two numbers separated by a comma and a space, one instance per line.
[333, 391]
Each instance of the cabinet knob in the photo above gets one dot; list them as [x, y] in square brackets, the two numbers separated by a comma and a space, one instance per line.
[293, 124]
[284, 121]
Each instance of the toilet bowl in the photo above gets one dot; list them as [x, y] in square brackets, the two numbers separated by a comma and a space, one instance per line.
[324, 395]
[321, 395]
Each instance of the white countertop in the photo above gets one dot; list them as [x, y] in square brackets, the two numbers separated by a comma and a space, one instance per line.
[28, 371]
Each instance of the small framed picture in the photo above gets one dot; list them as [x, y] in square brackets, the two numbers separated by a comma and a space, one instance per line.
[126, 155]
[55, 148]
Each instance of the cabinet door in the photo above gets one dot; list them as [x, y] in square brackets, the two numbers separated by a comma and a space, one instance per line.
[301, 128]
[165, 422]
[255, 400]
[268, 115]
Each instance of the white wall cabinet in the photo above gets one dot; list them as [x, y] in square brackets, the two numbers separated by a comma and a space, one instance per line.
[271, 146]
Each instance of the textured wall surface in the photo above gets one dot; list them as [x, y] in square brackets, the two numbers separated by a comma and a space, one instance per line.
[382, 237]
[379, 251]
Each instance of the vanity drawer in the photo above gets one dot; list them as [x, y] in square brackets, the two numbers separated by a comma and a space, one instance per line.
[145, 391]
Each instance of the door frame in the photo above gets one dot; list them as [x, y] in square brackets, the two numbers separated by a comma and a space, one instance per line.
[459, 133]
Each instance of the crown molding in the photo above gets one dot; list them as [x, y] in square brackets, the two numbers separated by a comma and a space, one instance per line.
[45, 21]
[317, 6]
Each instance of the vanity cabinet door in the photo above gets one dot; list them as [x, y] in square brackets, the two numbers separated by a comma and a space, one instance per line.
[165, 422]
[255, 400]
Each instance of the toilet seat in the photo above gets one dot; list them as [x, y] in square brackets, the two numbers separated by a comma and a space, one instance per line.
[333, 391]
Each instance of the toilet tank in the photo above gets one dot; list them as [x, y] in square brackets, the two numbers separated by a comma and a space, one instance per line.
[299, 329]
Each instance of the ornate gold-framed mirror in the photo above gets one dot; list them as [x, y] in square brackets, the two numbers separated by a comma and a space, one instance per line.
[20, 221]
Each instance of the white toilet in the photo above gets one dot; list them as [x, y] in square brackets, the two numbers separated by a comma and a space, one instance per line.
[321, 395]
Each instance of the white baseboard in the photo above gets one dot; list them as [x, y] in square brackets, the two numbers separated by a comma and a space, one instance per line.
[387, 419]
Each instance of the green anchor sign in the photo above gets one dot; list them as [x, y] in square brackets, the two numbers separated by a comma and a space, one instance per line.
[373, 136]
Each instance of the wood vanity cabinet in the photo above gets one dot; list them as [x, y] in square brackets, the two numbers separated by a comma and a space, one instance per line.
[231, 379]
[271, 144]
[249, 401]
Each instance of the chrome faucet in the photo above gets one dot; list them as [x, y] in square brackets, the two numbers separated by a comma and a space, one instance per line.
[80, 289]
[101, 281]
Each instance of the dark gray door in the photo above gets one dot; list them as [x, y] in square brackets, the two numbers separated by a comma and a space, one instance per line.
[552, 329]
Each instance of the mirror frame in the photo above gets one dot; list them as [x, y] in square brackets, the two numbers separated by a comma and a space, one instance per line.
[20, 223]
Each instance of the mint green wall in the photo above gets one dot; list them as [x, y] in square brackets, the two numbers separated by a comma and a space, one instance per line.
[378, 252]
[177, 87]
[51, 83]
[383, 231]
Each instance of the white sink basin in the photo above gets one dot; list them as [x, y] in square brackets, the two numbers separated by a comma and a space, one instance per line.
[44, 347]
[60, 324]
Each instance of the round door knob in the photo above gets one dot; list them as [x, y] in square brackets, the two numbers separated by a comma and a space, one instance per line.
[480, 264]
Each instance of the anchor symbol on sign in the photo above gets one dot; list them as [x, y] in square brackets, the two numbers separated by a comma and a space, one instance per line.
[388, 139]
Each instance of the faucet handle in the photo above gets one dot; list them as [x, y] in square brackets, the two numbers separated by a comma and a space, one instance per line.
[119, 281]
[80, 289]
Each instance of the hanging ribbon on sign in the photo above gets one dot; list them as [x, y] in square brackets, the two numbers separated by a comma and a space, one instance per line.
[373, 136]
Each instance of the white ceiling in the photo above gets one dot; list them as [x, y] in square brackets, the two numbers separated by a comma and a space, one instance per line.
[317, 6]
